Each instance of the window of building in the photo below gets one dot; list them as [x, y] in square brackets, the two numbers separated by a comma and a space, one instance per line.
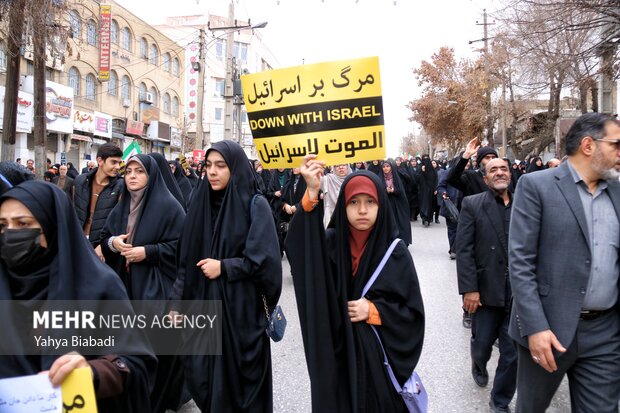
[2, 56]
[240, 52]
[49, 74]
[218, 90]
[76, 24]
[74, 80]
[114, 32]
[144, 46]
[125, 87]
[153, 92]
[154, 55]
[220, 50]
[244, 116]
[113, 83]
[166, 102]
[29, 68]
[91, 33]
[218, 113]
[166, 59]
[91, 87]
[126, 39]
[176, 67]
[175, 106]
[142, 89]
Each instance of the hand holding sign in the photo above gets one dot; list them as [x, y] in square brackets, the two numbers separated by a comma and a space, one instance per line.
[312, 171]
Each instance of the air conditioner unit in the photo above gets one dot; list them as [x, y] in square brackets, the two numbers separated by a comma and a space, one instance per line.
[146, 97]
[126, 103]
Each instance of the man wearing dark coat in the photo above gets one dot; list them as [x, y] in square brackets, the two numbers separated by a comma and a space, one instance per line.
[63, 181]
[482, 269]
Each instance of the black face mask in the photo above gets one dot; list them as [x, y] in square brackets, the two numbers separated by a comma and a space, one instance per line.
[20, 247]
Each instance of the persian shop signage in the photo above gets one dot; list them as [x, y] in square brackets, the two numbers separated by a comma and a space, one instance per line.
[25, 111]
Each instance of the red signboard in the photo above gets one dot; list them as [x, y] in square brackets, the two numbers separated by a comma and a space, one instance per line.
[199, 155]
[134, 128]
[105, 20]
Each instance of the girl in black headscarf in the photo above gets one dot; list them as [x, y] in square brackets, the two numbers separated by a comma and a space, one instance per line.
[45, 256]
[228, 251]
[330, 269]
[139, 241]
[397, 195]
[184, 184]
[375, 167]
[536, 164]
[71, 171]
[169, 179]
[427, 186]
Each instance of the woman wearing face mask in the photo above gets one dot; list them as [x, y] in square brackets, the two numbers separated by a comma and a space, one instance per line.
[139, 241]
[45, 256]
[228, 251]
[397, 197]
[330, 269]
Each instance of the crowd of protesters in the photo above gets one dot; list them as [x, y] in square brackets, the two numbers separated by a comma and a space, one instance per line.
[536, 247]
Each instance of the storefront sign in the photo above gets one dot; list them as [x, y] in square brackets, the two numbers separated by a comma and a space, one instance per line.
[25, 111]
[134, 127]
[103, 125]
[83, 121]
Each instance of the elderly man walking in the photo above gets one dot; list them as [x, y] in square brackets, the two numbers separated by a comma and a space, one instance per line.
[564, 267]
[482, 269]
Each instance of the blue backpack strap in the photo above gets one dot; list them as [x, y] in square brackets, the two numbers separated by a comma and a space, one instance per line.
[374, 276]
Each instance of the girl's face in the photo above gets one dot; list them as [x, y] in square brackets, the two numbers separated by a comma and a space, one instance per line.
[358, 165]
[218, 172]
[434, 164]
[539, 162]
[362, 211]
[387, 168]
[136, 177]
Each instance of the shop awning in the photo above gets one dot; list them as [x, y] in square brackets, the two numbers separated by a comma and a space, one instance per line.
[78, 137]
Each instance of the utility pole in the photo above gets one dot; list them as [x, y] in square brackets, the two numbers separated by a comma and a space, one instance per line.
[200, 135]
[39, 29]
[14, 39]
[487, 93]
[228, 81]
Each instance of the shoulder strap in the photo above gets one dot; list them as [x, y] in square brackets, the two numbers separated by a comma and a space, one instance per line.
[374, 276]
[387, 363]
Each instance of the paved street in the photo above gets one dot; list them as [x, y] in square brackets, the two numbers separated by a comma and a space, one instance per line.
[445, 363]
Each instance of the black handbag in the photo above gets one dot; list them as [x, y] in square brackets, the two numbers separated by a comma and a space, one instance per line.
[276, 322]
[452, 212]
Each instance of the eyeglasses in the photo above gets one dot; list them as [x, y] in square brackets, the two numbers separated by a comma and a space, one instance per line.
[612, 141]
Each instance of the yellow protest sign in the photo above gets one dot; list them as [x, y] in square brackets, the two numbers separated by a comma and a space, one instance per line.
[78, 393]
[334, 110]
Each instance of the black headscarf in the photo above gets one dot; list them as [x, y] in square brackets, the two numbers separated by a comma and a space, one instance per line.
[222, 225]
[169, 179]
[184, 184]
[375, 168]
[71, 171]
[399, 202]
[322, 276]
[73, 273]
[532, 167]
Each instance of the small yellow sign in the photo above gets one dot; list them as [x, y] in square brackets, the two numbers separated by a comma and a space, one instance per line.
[334, 110]
[78, 392]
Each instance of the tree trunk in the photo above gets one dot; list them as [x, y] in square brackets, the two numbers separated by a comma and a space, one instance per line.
[14, 38]
[40, 130]
[594, 99]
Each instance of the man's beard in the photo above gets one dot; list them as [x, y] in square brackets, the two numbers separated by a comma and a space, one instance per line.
[598, 164]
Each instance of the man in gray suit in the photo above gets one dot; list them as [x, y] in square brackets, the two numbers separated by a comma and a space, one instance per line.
[564, 272]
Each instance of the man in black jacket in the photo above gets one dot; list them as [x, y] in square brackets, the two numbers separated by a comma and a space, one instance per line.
[97, 193]
[482, 269]
[471, 182]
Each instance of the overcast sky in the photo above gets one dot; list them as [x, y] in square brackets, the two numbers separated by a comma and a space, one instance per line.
[402, 33]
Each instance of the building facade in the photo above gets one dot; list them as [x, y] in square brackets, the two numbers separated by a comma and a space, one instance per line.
[249, 55]
[117, 79]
